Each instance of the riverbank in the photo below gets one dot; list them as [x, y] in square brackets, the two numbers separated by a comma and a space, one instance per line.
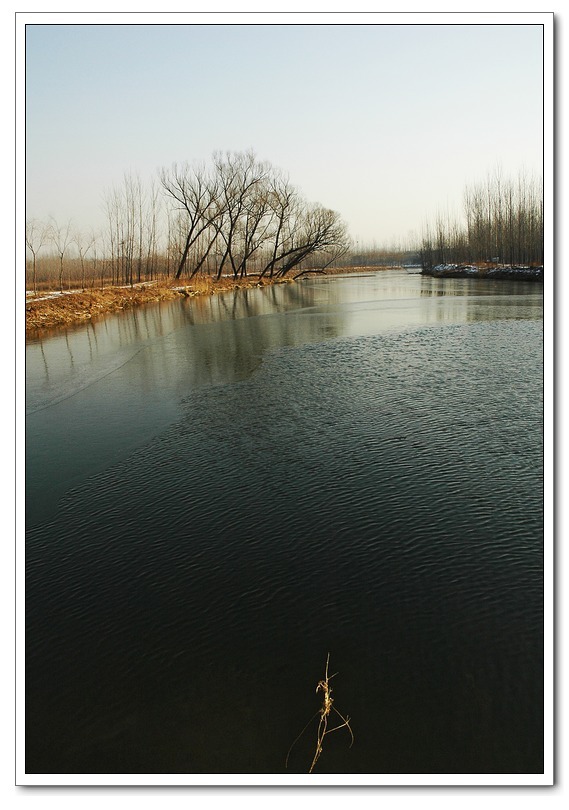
[498, 271]
[50, 310]
[55, 309]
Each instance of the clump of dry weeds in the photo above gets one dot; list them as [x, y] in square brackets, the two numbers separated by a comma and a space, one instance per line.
[324, 711]
[64, 309]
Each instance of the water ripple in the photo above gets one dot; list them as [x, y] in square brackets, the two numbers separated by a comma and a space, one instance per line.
[353, 494]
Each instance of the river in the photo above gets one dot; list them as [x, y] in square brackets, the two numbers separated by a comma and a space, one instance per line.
[222, 491]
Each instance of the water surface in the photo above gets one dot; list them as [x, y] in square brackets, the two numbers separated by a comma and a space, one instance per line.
[223, 490]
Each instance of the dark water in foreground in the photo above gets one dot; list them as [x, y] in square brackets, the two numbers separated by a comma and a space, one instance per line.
[221, 492]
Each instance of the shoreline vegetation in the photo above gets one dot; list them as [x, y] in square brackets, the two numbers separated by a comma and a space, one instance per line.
[49, 309]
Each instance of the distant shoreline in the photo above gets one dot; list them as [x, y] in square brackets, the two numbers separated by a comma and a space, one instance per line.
[502, 272]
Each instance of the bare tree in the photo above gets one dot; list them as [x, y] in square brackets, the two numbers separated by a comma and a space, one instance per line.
[61, 237]
[285, 205]
[196, 195]
[84, 245]
[150, 232]
[242, 183]
[315, 229]
[37, 234]
[255, 226]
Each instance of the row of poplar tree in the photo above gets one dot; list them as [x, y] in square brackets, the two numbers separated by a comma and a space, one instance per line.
[503, 224]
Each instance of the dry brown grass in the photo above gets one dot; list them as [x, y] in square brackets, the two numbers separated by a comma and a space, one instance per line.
[68, 308]
[324, 711]
[49, 310]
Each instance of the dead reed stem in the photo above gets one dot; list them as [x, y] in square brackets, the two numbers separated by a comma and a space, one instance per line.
[325, 710]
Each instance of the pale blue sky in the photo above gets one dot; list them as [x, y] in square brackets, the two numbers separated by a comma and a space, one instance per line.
[384, 123]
